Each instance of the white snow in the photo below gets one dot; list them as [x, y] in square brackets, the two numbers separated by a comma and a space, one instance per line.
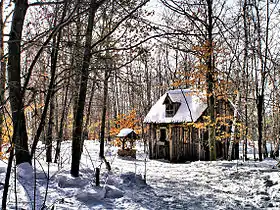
[191, 108]
[26, 178]
[192, 185]
[124, 132]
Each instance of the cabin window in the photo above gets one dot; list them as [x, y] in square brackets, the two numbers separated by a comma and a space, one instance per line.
[171, 109]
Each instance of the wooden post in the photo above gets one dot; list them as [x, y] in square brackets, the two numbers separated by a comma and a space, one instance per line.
[170, 142]
[145, 173]
[97, 176]
[199, 143]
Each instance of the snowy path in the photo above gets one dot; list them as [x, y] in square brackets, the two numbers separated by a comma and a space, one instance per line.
[206, 185]
[193, 186]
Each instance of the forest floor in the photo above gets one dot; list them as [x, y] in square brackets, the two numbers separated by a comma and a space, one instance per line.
[192, 185]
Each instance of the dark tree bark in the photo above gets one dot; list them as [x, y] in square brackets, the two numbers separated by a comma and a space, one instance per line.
[50, 94]
[75, 62]
[50, 133]
[2, 73]
[78, 121]
[103, 119]
[104, 110]
[260, 123]
[246, 75]
[14, 81]
[19, 138]
[7, 180]
[210, 82]
[260, 89]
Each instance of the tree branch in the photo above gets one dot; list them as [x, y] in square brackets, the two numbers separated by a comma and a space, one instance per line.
[45, 3]
[119, 23]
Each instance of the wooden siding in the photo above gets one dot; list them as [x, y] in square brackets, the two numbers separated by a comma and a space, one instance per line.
[186, 143]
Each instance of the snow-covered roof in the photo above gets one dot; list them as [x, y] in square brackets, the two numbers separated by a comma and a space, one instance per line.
[191, 107]
[125, 132]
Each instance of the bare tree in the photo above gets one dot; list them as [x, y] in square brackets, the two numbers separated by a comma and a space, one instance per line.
[78, 122]
[2, 72]
[20, 138]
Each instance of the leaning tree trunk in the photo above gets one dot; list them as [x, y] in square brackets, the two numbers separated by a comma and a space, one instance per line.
[103, 120]
[14, 81]
[2, 73]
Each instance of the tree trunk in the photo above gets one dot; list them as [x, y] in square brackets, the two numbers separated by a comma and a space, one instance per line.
[54, 58]
[149, 84]
[75, 62]
[78, 121]
[265, 153]
[14, 81]
[61, 125]
[7, 180]
[260, 124]
[50, 133]
[246, 76]
[246, 129]
[88, 115]
[231, 151]
[115, 84]
[210, 83]
[104, 110]
[2, 73]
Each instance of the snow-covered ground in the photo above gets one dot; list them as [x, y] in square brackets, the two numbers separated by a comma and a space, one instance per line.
[194, 185]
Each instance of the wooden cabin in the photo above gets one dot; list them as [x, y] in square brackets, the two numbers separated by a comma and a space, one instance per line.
[172, 137]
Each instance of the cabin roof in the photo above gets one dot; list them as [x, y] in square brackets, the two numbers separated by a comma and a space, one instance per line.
[127, 132]
[192, 105]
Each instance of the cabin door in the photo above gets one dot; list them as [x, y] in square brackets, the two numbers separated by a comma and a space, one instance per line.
[163, 144]
[177, 144]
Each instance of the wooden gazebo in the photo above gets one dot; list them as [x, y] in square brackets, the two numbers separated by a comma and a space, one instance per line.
[127, 135]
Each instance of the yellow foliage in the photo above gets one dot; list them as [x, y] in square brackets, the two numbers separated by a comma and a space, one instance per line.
[129, 120]
[7, 132]
[32, 107]
[222, 126]
[94, 129]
